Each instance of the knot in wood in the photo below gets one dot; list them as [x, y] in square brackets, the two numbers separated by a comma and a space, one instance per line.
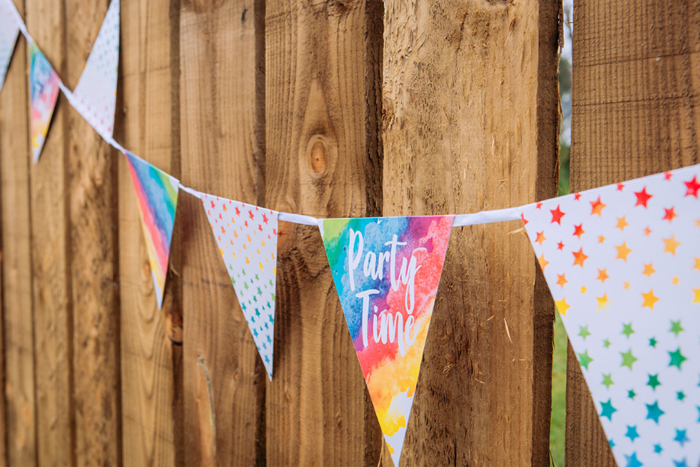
[317, 152]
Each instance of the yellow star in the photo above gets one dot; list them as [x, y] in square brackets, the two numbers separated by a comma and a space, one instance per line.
[676, 280]
[261, 266]
[603, 302]
[601, 239]
[583, 290]
[697, 295]
[623, 251]
[671, 245]
[627, 285]
[562, 306]
[621, 223]
[649, 299]
[561, 280]
[697, 264]
[649, 269]
[543, 262]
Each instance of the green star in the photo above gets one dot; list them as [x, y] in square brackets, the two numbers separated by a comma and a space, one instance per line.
[652, 342]
[584, 359]
[627, 330]
[653, 381]
[628, 359]
[606, 343]
[607, 409]
[654, 412]
[607, 381]
[583, 332]
[680, 395]
[676, 327]
[631, 394]
[676, 358]
[245, 284]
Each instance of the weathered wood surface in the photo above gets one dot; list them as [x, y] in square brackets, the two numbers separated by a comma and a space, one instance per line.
[224, 380]
[323, 158]
[471, 123]
[20, 408]
[635, 95]
[151, 339]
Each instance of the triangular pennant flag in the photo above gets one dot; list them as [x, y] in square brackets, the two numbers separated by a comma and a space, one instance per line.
[9, 30]
[386, 272]
[623, 265]
[43, 92]
[247, 239]
[157, 194]
[95, 95]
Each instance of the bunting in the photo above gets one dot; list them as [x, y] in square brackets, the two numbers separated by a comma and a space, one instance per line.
[9, 30]
[623, 265]
[96, 93]
[247, 239]
[157, 195]
[386, 272]
[43, 92]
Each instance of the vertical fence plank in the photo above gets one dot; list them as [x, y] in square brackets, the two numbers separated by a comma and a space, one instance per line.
[151, 339]
[17, 280]
[635, 95]
[324, 159]
[92, 205]
[49, 244]
[471, 123]
[224, 381]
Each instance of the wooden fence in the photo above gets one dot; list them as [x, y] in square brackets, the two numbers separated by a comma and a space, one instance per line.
[328, 108]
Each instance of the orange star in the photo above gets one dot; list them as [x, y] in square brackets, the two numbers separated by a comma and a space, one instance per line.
[697, 264]
[579, 257]
[597, 207]
[602, 275]
[670, 214]
[578, 230]
[621, 223]
[649, 269]
[543, 262]
[647, 231]
[649, 299]
[601, 239]
[603, 302]
[557, 214]
[561, 280]
[623, 251]
[562, 306]
[671, 245]
[560, 245]
[697, 223]
[540, 237]
[627, 285]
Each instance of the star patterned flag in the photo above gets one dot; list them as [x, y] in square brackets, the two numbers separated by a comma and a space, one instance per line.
[157, 195]
[247, 239]
[623, 265]
[9, 30]
[96, 93]
[43, 93]
[386, 272]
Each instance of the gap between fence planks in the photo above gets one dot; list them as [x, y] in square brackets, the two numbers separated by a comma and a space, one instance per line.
[635, 95]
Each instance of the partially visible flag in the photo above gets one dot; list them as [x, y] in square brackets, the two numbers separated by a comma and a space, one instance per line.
[623, 265]
[157, 194]
[247, 239]
[9, 30]
[386, 272]
[96, 93]
[43, 92]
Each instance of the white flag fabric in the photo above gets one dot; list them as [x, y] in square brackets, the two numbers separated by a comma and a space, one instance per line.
[9, 30]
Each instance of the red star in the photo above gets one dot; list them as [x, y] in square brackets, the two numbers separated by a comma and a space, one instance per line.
[560, 245]
[250, 213]
[667, 175]
[246, 223]
[670, 214]
[222, 229]
[577, 196]
[238, 212]
[578, 230]
[264, 218]
[620, 186]
[522, 216]
[220, 216]
[557, 214]
[693, 187]
[642, 197]
[538, 206]
[274, 231]
[260, 227]
[213, 206]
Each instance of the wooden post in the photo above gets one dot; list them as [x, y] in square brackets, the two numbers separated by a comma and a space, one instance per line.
[471, 123]
[636, 83]
[322, 70]
[224, 379]
[18, 337]
[151, 339]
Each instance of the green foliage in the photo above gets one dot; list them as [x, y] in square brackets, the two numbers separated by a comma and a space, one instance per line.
[558, 421]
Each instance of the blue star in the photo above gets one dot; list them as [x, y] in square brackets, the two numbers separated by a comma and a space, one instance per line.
[681, 437]
[611, 443]
[608, 409]
[268, 339]
[255, 332]
[654, 412]
[657, 448]
[632, 460]
[632, 433]
[698, 413]
[267, 359]
[681, 463]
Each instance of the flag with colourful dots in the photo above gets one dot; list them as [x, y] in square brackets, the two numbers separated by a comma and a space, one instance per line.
[95, 95]
[623, 265]
[9, 30]
[247, 239]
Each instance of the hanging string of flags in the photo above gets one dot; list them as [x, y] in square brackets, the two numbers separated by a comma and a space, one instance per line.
[622, 263]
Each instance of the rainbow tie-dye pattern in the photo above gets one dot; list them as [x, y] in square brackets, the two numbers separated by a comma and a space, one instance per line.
[157, 194]
[43, 92]
[387, 271]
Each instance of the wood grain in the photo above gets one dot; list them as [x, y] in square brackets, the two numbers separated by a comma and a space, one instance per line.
[635, 95]
[224, 379]
[323, 158]
[49, 243]
[151, 339]
[92, 198]
[15, 157]
[471, 123]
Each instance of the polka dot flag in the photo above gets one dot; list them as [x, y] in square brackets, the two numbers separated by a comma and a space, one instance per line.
[623, 265]
[96, 93]
[9, 30]
[247, 238]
